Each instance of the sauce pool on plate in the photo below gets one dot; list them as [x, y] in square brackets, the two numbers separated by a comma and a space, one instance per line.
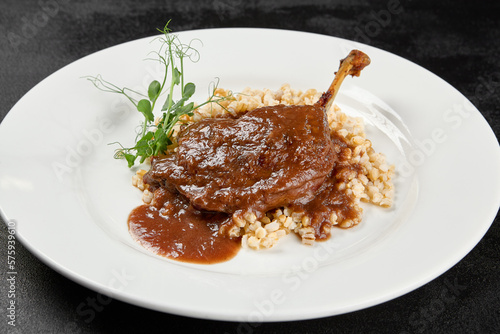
[172, 228]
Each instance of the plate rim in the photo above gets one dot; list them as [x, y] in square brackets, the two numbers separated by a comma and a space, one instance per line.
[213, 315]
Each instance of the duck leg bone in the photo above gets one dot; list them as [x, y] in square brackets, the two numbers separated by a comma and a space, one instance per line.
[350, 65]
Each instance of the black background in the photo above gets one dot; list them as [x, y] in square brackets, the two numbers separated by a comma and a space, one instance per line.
[457, 40]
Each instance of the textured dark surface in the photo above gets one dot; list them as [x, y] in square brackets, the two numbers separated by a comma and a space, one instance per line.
[457, 40]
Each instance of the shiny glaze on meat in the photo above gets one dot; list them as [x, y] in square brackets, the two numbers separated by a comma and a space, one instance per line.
[269, 157]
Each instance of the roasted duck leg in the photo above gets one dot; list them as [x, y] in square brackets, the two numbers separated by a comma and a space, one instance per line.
[267, 158]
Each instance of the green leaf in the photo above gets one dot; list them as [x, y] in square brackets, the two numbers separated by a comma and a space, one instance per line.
[144, 106]
[176, 76]
[130, 159]
[143, 143]
[184, 109]
[189, 89]
[154, 90]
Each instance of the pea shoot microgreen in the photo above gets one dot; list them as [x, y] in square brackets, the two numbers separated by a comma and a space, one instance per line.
[154, 139]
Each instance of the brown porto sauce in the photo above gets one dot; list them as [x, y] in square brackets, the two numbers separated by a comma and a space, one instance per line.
[172, 228]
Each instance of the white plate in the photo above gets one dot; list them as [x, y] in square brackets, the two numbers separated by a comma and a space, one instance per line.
[71, 199]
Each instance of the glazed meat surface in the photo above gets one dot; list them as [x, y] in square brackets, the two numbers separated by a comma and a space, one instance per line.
[267, 158]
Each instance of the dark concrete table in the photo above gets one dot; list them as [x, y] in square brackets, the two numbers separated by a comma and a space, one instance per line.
[457, 40]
